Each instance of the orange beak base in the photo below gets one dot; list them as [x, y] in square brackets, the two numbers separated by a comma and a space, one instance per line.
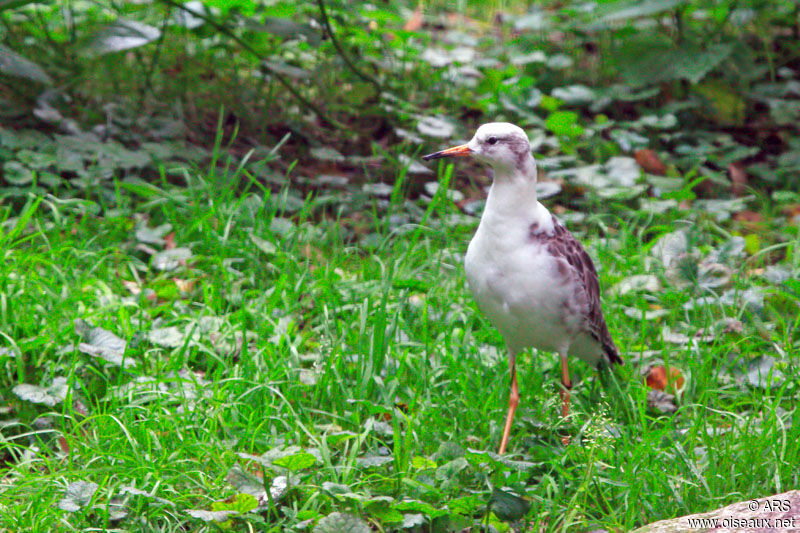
[456, 151]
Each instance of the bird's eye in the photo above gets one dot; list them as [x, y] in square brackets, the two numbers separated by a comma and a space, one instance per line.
[491, 140]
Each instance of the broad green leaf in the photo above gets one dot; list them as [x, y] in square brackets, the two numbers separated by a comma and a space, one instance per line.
[326, 153]
[419, 463]
[262, 244]
[467, 505]
[385, 514]
[752, 243]
[341, 523]
[616, 11]
[480, 457]
[416, 506]
[13, 64]
[380, 509]
[245, 7]
[170, 259]
[154, 235]
[222, 511]
[77, 496]
[211, 516]
[188, 16]
[724, 105]
[123, 34]
[451, 469]
[435, 127]
[575, 94]
[15, 173]
[374, 460]
[241, 503]
[55, 393]
[298, 461]
[644, 62]
[286, 28]
[13, 4]
[279, 67]
[167, 337]
[507, 505]
[564, 123]
[448, 450]
[99, 342]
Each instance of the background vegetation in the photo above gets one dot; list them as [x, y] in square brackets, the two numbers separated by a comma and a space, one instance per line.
[232, 297]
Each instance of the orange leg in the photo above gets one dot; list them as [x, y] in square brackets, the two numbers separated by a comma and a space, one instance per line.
[513, 402]
[566, 385]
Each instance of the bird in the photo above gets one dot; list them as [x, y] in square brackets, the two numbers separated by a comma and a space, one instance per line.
[528, 274]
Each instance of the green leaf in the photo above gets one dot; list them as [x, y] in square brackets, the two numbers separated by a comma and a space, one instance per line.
[564, 123]
[286, 28]
[121, 35]
[480, 459]
[341, 523]
[262, 244]
[238, 503]
[15, 173]
[752, 244]
[13, 64]
[380, 509]
[54, 394]
[77, 496]
[644, 61]
[451, 469]
[298, 461]
[636, 8]
[722, 103]
[326, 153]
[13, 4]
[467, 505]
[280, 67]
[507, 505]
[245, 7]
[416, 506]
[241, 503]
[386, 515]
[421, 463]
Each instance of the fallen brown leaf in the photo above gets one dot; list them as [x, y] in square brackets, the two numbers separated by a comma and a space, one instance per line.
[648, 159]
[169, 241]
[748, 216]
[414, 22]
[738, 178]
[732, 325]
[792, 211]
[184, 285]
[132, 287]
[657, 378]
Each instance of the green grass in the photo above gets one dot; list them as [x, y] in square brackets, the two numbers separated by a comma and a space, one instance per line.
[350, 347]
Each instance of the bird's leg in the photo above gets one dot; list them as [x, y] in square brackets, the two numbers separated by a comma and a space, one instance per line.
[513, 402]
[566, 384]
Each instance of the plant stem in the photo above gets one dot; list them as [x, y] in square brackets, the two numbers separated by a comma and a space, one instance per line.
[278, 76]
[148, 78]
[326, 22]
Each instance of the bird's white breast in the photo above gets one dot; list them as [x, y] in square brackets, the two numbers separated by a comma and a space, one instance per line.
[514, 280]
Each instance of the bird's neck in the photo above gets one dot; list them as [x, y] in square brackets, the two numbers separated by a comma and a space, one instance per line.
[513, 191]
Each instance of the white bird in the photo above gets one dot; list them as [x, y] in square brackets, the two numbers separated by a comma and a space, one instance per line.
[528, 274]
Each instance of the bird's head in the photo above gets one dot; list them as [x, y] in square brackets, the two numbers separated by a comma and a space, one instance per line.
[503, 146]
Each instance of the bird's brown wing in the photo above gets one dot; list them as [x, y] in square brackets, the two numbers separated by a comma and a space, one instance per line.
[564, 245]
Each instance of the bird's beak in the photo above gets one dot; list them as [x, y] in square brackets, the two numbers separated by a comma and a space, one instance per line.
[456, 151]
